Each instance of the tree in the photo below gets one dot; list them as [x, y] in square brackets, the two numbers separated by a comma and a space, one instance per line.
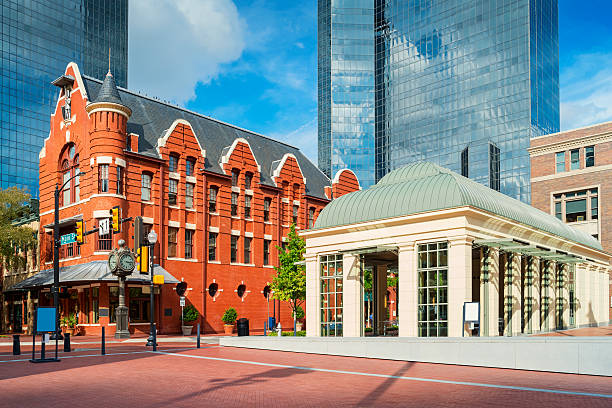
[289, 284]
[14, 238]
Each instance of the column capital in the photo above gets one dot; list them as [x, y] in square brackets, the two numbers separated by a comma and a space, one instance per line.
[406, 246]
[460, 240]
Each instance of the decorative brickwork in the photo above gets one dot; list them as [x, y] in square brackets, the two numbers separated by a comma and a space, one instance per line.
[199, 190]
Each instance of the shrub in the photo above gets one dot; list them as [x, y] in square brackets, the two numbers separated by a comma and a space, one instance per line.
[301, 333]
[369, 329]
[230, 316]
[69, 321]
[190, 314]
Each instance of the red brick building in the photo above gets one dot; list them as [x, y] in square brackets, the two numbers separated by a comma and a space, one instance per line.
[571, 178]
[219, 197]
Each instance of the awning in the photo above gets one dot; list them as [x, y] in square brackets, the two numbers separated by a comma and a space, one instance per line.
[94, 271]
[370, 250]
[524, 248]
[66, 221]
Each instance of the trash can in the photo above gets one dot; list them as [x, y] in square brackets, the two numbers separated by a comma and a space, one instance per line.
[243, 326]
[271, 323]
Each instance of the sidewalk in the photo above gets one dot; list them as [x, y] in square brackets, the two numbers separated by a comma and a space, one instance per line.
[136, 339]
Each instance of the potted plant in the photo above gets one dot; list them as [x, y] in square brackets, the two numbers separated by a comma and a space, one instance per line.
[299, 314]
[190, 315]
[69, 323]
[229, 318]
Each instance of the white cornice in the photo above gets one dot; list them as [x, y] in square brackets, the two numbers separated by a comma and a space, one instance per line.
[571, 173]
[583, 141]
[226, 157]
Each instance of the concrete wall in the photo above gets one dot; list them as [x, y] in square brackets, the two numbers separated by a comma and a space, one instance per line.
[585, 355]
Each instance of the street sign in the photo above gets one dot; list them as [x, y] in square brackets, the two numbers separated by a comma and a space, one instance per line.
[104, 226]
[182, 301]
[68, 238]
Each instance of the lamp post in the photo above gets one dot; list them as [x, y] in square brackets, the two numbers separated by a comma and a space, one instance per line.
[56, 245]
[152, 238]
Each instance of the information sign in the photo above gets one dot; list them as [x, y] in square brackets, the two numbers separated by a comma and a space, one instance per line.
[104, 226]
[182, 301]
[45, 319]
[472, 311]
[68, 239]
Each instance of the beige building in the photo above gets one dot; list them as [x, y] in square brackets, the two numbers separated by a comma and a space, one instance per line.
[450, 241]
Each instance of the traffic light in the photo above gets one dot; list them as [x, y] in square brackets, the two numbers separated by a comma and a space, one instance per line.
[115, 219]
[142, 259]
[79, 232]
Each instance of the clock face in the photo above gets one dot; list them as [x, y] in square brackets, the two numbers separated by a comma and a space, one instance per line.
[112, 262]
[126, 262]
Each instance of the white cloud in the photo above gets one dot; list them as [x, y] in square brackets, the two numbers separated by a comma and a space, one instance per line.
[586, 91]
[175, 44]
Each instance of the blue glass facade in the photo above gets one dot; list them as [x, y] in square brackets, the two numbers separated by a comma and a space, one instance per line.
[39, 38]
[346, 87]
[464, 84]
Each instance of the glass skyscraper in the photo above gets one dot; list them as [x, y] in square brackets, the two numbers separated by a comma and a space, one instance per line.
[462, 83]
[39, 39]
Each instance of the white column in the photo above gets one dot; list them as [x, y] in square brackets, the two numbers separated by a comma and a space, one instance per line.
[407, 290]
[351, 296]
[582, 296]
[313, 296]
[564, 294]
[489, 295]
[459, 284]
[532, 296]
[512, 294]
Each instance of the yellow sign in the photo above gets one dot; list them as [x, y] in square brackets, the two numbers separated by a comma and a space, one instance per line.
[158, 279]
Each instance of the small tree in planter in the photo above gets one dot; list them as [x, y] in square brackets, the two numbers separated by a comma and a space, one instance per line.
[298, 315]
[70, 323]
[289, 284]
[229, 318]
[190, 315]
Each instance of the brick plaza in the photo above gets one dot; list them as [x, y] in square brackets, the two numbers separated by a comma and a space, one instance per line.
[230, 377]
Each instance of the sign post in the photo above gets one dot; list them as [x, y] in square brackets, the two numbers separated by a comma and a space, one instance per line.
[471, 315]
[45, 318]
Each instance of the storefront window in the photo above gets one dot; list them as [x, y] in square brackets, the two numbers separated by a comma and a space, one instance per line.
[95, 305]
[331, 295]
[113, 302]
[433, 289]
[139, 306]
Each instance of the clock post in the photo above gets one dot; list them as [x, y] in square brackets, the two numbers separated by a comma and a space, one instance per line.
[121, 262]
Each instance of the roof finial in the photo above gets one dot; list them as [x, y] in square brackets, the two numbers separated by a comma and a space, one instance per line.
[109, 51]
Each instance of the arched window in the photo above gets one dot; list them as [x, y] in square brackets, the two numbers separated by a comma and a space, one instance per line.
[69, 167]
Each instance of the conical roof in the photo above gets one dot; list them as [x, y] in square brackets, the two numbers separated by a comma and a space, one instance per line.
[108, 91]
[422, 187]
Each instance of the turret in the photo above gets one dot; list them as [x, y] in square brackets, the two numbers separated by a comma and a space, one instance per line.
[108, 117]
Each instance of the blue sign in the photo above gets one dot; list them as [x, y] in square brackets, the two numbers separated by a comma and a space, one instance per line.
[45, 319]
[68, 239]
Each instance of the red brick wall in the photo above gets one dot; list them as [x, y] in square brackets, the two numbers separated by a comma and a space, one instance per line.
[104, 134]
[344, 182]
[543, 165]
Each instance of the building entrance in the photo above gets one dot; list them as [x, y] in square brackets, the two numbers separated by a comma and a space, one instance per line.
[379, 277]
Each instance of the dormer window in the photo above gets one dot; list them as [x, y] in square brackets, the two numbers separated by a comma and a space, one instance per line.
[173, 163]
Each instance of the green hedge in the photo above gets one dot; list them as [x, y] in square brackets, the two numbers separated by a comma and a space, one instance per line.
[301, 333]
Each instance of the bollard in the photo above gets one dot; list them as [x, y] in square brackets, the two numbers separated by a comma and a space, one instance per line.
[16, 345]
[33, 345]
[154, 337]
[198, 341]
[265, 329]
[67, 343]
[103, 340]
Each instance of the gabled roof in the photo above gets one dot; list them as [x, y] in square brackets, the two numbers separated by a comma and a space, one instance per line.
[423, 187]
[150, 119]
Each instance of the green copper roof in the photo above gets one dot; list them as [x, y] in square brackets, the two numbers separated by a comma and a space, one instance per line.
[422, 187]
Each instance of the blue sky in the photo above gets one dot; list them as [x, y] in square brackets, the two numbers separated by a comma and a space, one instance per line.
[253, 63]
